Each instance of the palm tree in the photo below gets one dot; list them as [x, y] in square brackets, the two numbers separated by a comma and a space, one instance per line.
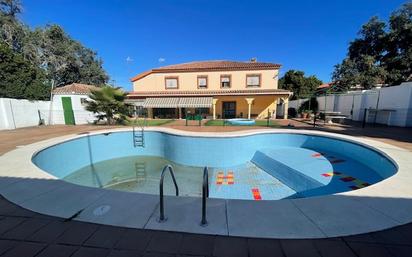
[108, 103]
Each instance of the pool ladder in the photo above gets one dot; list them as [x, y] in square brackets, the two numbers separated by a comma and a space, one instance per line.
[140, 168]
[138, 134]
[205, 193]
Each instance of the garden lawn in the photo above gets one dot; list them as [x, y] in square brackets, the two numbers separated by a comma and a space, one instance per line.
[154, 122]
[262, 123]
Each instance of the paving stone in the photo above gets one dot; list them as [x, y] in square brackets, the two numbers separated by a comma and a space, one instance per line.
[290, 221]
[105, 237]
[6, 245]
[20, 212]
[6, 208]
[91, 252]
[158, 255]
[406, 231]
[361, 238]
[50, 232]
[25, 229]
[10, 209]
[333, 248]
[134, 239]
[230, 246]
[9, 223]
[58, 251]
[24, 249]
[165, 242]
[264, 247]
[400, 250]
[391, 236]
[65, 201]
[369, 250]
[338, 215]
[183, 215]
[184, 255]
[77, 233]
[197, 244]
[299, 248]
[126, 210]
[124, 253]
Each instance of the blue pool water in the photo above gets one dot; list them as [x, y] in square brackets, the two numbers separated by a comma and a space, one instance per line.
[244, 122]
[257, 167]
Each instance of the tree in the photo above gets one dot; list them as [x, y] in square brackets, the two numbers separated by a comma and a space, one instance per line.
[362, 66]
[108, 103]
[61, 59]
[300, 85]
[10, 7]
[371, 41]
[398, 60]
[19, 78]
[66, 60]
[362, 71]
[12, 32]
[381, 54]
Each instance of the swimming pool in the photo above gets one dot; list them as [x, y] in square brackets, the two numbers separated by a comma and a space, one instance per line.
[267, 166]
[242, 122]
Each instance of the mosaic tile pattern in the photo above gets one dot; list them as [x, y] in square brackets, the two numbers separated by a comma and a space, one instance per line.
[249, 182]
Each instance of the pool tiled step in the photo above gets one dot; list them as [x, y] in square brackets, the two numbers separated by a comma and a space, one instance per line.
[295, 167]
[246, 182]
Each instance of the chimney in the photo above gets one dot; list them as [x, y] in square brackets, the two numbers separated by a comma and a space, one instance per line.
[253, 59]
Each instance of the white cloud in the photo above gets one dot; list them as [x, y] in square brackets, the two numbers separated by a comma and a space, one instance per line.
[161, 59]
[129, 59]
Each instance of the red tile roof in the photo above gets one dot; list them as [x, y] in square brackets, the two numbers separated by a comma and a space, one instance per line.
[75, 89]
[209, 66]
[209, 93]
[326, 85]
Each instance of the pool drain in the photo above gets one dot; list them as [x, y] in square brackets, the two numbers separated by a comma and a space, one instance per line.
[101, 210]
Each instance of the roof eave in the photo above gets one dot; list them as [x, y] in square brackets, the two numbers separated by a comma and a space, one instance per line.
[147, 73]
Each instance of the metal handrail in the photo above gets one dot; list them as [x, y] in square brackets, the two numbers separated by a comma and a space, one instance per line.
[205, 194]
[162, 217]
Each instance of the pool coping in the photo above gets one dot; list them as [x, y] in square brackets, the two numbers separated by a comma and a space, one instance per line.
[380, 206]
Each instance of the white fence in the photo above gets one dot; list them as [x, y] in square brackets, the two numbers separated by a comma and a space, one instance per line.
[20, 113]
[394, 105]
[16, 113]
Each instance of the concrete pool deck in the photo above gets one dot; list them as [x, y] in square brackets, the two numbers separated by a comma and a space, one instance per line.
[380, 206]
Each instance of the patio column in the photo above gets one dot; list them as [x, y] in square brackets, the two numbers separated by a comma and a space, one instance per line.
[275, 108]
[286, 106]
[249, 102]
[150, 113]
[214, 108]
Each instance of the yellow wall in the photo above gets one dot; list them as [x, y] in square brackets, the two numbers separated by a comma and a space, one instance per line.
[188, 80]
[260, 105]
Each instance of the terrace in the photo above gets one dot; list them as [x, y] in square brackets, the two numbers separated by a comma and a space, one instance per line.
[26, 233]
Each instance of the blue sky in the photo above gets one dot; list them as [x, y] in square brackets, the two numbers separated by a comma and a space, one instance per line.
[134, 36]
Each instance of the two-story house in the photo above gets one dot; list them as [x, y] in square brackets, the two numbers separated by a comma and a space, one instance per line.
[216, 89]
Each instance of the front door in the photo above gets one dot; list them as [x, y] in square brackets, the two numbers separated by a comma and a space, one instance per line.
[229, 110]
[68, 111]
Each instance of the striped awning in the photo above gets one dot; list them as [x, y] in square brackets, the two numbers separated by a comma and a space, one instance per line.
[174, 102]
[136, 102]
[161, 102]
[195, 102]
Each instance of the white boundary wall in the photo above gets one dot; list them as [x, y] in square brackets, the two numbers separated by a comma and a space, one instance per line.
[397, 100]
[20, 113]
